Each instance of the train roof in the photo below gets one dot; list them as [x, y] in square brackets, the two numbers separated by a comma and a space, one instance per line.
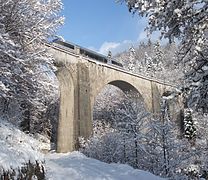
[86, 52]
[73, 45]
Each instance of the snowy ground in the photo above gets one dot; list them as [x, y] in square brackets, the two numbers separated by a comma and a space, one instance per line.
[76, 166]
[17, 148]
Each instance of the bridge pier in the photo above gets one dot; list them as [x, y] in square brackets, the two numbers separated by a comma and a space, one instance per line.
[66, 124]
[81, 78]
[75, 113]
[84, 101]
[156, 95]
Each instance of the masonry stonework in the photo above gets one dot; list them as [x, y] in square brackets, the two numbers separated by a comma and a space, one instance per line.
[81, 79]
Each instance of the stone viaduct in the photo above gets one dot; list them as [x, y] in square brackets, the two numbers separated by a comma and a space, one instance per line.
[82, 76]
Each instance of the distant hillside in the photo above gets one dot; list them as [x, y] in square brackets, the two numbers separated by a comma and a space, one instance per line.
[153, 60]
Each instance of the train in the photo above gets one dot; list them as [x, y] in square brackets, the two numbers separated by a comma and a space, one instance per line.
[87, 53]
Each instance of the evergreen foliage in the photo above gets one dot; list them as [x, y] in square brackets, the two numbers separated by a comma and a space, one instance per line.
[28, 87]
[189, 127]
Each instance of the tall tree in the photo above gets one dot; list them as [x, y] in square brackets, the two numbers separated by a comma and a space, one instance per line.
[26, 78]
[186, 21]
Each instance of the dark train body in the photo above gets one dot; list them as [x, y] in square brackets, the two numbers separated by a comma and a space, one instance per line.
[86, 52]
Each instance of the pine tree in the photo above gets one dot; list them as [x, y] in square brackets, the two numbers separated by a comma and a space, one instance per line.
[158, 57]
[132, 61]
[189, 127]
[169, 155]
[149, 69]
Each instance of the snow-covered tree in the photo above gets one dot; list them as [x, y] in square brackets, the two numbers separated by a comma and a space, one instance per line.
[200, 148]
[153, 60]
[131, 64]
[169, 155]
[119, 132]
[185, 21]
[27, 81]
[189, 126]
[131, 121]
[158, 58]
[148, 63]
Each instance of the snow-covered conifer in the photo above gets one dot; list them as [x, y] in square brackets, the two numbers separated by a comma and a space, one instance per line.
[158, 58]
[148, 62]
[189, 126]
[131, 60]
[27, 78]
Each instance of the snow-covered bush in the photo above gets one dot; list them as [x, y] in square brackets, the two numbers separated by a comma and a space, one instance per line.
[20, 154]
[28, 171]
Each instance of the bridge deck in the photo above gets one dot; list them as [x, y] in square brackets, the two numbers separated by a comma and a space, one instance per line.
[74, 52]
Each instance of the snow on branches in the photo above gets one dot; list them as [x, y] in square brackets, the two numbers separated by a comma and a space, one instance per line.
[27, 78]
[186, 21]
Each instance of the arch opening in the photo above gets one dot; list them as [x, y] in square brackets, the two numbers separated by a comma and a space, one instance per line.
[116, 99]
[124, 86]
[118, 116]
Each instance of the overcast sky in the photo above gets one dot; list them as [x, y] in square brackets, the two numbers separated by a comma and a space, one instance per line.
[101, 25]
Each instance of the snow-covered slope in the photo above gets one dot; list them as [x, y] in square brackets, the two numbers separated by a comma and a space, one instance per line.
[76, 166]
[17, 148]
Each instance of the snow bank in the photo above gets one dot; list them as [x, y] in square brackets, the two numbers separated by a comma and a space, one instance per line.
[17, 148]
[76, 166]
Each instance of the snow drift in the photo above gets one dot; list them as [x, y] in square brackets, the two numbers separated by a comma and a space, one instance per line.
[76, 166]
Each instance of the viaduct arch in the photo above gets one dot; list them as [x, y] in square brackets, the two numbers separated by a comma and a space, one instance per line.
[81, 79]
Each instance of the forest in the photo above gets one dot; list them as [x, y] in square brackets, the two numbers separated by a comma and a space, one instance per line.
[123, 130]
